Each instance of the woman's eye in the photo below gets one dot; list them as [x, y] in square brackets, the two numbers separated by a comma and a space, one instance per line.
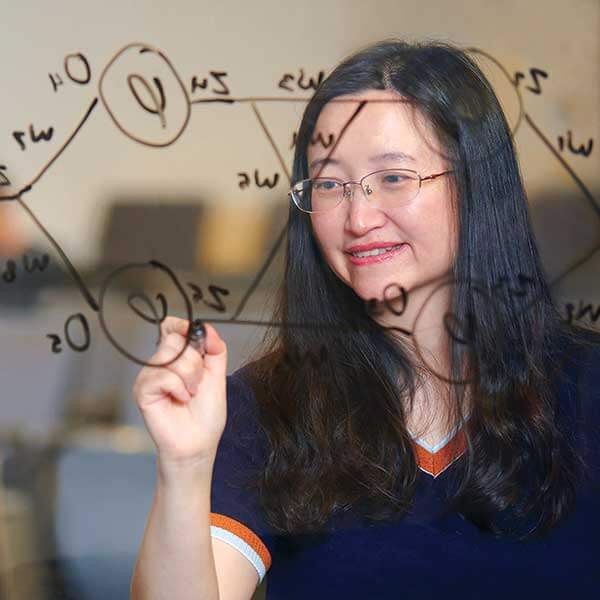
[394, 178]
[324, 186]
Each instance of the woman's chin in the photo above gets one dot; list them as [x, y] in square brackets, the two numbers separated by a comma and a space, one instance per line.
[370, 294]
[379, 293]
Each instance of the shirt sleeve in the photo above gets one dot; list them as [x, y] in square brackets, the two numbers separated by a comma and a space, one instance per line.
[235, 517]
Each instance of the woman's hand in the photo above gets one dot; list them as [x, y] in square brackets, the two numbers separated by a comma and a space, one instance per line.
[184, 403]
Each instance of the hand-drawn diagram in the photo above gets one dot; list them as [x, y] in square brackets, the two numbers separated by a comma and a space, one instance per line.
[148, 102]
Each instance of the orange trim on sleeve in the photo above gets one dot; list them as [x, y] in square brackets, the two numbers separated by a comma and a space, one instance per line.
[244, 533]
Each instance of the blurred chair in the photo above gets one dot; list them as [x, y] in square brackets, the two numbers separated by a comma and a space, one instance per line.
[137, 231]
[218, 239]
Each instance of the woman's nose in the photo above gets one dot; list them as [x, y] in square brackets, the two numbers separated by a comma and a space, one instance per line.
[349, 190]
[362, 213]
[353, 195]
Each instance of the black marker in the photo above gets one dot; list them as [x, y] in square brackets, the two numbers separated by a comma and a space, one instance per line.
[196, 335]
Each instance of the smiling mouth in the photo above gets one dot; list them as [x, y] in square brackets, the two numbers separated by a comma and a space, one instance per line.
[375, 251]
[376, 255]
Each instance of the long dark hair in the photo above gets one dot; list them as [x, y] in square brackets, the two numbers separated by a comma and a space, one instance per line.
[334, 387]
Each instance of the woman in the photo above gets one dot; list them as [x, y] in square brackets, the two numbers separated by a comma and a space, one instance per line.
[421, 408]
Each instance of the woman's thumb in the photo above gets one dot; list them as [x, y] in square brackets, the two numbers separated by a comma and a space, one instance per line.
[215, 358]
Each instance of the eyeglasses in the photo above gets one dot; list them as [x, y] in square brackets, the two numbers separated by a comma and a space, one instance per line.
[385, 188]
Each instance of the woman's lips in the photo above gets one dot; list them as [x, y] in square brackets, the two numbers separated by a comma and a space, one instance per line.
[369, 260]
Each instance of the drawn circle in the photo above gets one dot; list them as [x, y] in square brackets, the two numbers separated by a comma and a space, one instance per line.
[156, 318]
[389, 299]
[85, 344]
[470, 112]
[86, 65]
[507, 92]
[150, 105]
[112, 338]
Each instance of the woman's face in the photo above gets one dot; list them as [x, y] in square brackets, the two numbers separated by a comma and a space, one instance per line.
[383, 135]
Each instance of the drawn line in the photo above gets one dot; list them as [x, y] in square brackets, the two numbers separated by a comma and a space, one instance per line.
[251, 99]
[272, 142]
[74, 273]
[214, 100]
[281, 323]
[583, 189]
[401, 330]
[260, 273]
[30, 185]
[267, 263]
[475, 50]
[283, 231]
[355, 114]
[566, 165]
[575, 266]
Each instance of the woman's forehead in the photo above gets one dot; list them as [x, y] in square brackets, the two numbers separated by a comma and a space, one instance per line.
[374, 123]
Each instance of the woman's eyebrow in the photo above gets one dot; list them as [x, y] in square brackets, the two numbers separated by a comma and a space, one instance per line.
[321, 162]
[391, 156]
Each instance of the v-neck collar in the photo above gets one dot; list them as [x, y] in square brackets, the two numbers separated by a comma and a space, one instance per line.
[434, 460]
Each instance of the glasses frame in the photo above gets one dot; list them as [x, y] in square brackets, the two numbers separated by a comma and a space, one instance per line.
[366, 192]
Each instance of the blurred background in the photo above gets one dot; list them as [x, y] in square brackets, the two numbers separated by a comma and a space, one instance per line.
[200, 188]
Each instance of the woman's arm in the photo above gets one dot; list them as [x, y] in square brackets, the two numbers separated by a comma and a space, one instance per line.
[178, 558]
[175, 559]
[181, 394]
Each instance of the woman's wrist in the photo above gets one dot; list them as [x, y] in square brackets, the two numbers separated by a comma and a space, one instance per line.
[184, 473]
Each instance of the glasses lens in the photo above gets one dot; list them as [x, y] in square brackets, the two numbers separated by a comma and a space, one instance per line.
[394, 187]
[317, 195]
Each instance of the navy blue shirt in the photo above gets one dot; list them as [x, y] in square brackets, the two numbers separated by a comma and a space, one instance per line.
[424, 555]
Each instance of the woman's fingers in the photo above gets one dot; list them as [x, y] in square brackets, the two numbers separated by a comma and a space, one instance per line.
[152, 385]
[177, 355]
[186, 362]
[215, 348]
[170, 383]
[179, 377]
[174, 325]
